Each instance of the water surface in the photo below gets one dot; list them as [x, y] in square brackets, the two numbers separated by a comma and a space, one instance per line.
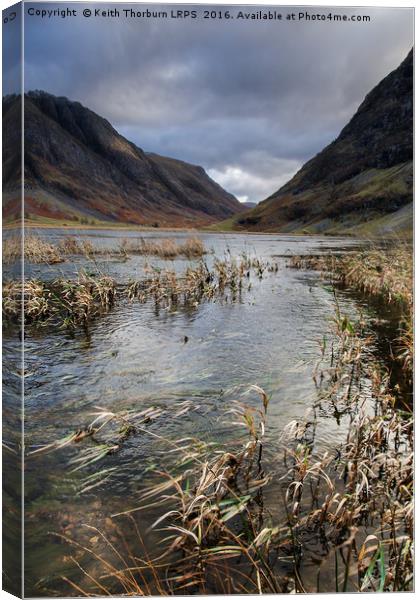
[139, 356]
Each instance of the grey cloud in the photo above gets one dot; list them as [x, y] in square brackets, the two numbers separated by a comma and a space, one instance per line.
[217, 94]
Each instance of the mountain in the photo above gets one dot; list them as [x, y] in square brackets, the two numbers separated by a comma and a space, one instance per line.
[249, 204]
[78, 167]
[362, 182]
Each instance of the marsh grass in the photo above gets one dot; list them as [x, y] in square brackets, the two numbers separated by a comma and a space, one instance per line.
[211, 505]
[346, 518]
[192, 248]
[228, 279]
[70, 245]
[70, 303]
[66, 303]
[38, 250]
[356, 503]
[383, 274]
[352, 505]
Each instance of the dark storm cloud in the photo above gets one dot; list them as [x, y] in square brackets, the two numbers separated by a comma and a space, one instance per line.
[249, 101]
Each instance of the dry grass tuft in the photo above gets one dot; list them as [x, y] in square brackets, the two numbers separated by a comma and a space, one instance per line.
[36, 250]
[60, 302]
[165, 249]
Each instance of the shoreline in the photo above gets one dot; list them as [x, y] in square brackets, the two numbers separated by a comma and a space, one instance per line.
[196, 230]
[140, 228]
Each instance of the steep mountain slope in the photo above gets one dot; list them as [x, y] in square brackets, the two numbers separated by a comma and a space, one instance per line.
[77, 165]
[362, 181]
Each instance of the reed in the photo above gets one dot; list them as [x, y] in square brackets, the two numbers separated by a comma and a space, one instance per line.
[65, 303]
[353, 504]
[192, 248]
[383, 274]
[356, 503]
[347, 510]
[213, 514]
[70, 245]
[76, 302]
[35, 250]
[38, 250]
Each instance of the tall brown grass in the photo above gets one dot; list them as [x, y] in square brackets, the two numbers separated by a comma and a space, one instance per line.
[165, 249]
[38, 250]
[66, 303]
[35, 250]
[74, 302]
[384, 274]
[352, 505]
[348, 511]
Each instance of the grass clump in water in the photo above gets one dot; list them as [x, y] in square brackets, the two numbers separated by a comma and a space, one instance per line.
[72, 246]
[166, 249]
[226, 281]
[36, 250]
[75, 302]
[66, 303]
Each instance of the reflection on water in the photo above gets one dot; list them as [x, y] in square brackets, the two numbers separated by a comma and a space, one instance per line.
[138, 356]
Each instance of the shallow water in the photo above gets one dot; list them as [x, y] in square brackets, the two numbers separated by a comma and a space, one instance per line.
[261, 245]
[138, 356]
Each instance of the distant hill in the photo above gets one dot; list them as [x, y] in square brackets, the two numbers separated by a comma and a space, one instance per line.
[362, 182]
[78, 167]
[249, 204]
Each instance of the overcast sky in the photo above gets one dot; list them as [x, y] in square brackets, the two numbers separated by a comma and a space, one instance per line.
[250, 101]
